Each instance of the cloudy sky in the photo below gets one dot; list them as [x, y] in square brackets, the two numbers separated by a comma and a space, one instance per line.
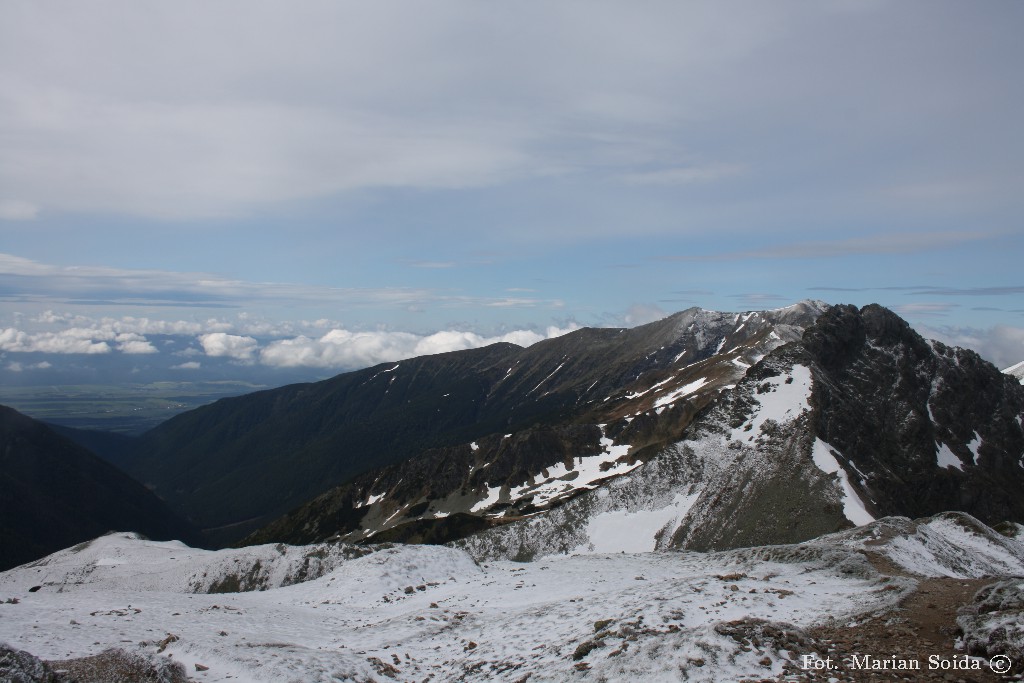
[330, 184]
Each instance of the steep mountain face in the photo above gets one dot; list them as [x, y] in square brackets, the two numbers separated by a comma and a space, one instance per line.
[926, 424]
[863, 418]
[56, 493]
[238, 463]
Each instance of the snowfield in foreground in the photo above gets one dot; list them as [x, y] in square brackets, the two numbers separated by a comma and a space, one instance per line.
[417, 612]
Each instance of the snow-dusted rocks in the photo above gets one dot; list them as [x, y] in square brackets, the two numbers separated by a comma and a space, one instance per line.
[129, 561]
[409, 612]
[993, 624]
[1016, 370]
[18, 666]
[749, 472]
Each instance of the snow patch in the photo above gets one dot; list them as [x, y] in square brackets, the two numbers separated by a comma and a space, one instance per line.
[371, 500]
[947, 458]
[679, 393]
[782, 398]
[552, 373]
[853, 506]
[649, 389]
[385, 371]
[634, 532]
[492, 497]
[974, 444]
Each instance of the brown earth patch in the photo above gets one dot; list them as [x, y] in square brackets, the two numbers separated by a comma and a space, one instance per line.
[922, 626]
[118, 666]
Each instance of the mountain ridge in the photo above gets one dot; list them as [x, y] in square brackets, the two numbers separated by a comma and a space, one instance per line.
[834, 447]
[289, 444]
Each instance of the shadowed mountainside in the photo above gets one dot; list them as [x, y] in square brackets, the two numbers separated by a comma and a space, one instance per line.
[56, 494]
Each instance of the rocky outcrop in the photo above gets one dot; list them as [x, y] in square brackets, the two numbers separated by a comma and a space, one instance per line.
[922, 427]
[18, 666]
[993, 625]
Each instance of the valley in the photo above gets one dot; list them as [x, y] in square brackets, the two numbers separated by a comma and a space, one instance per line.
[125, 409]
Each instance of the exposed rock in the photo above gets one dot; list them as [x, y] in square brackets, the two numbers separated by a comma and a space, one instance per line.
[18, 666]
[993, 623]
[889, 402]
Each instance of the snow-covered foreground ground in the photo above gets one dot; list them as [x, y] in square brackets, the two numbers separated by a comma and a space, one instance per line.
[417, 612]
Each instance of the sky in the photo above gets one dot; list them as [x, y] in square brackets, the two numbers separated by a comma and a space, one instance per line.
[325, 185]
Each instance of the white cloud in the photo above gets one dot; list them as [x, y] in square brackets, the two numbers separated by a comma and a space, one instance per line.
[221, 344]
[74, 340]
[84, 335]
[342, 348]
[100, 120]
[136, 347]
[190, 365]
[888, 243]
[1003, 345]
[641, 314]
[319, 343]
[924, 309]
[15, 366]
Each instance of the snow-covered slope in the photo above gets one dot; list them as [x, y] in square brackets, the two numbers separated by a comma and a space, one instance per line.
[412, 612]
[129, 561]
[951, 544]
[1017, 371]
[747, 467]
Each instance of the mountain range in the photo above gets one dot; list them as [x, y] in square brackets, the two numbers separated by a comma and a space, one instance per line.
[237, 464]
[792, 432]
[704, 430]
[712, 496]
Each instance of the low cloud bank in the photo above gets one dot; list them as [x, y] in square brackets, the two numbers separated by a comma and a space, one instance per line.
[340, 348]
[300, 344]
[74, 340]
[1002, 345]
[222, 344]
